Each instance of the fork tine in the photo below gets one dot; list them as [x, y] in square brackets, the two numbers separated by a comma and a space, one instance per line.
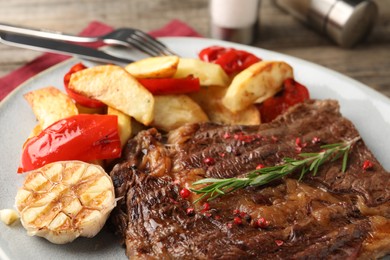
[142, 47]
[149, 42]
[146, 44]
[162, 46]
[154, 43]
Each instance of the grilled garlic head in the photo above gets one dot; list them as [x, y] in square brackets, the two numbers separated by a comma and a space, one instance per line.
[64, 200]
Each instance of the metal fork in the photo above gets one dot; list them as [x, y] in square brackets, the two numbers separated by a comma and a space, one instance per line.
[127, 37]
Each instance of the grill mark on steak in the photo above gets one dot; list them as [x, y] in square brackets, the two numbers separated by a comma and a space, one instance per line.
[330, 215]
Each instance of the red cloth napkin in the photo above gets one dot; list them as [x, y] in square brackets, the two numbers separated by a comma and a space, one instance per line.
[15, 78]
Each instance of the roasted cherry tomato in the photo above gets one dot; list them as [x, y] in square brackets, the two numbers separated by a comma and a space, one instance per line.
[166, 86]
[231, 60]
[292, 93]
[82, 137]
[81, 99]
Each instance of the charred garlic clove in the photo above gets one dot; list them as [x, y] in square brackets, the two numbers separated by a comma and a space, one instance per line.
[8, 216]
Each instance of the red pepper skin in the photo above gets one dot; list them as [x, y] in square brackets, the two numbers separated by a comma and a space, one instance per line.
[81, 137]
[292, 93]
[235, 61]
[212, 53]
[231, 60]
[81, 99]
[170, 86]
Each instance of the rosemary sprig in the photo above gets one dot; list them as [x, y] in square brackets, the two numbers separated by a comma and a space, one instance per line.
[309, 162]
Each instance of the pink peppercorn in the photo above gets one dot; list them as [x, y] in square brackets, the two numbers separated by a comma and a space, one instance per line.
[367, 165]
[279, 242]
[237, 221]
[185, 193]
[260, 166]
[209, 161]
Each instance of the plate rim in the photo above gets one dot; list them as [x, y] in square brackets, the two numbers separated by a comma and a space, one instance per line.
[29, 80]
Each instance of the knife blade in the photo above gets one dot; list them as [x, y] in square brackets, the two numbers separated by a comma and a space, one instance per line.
[55, 46]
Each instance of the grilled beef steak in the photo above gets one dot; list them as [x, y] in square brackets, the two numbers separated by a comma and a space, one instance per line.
[330, 215]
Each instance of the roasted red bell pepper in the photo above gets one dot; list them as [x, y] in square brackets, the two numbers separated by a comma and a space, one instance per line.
[167, 86]
[81, 99]
[81, 137]
[231, 60]
[292, 93]
[212, 53]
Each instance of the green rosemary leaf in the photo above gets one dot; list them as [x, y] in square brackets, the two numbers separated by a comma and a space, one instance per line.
[208, 180]
[313, 164]
[218, 190]
[345, 161]
[331, 146]
[297, 163]
[288, 159]
[271, 169]
[261, 179]
[307, 154]
[317, 165]
[303, 172]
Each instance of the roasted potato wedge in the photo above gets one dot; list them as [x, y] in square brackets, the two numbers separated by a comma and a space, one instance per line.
[172, 111]
[209, 74]
[256, 83]
[50, 105]
[154, 67]
[117, 88]
[124, 124]
[210, 100]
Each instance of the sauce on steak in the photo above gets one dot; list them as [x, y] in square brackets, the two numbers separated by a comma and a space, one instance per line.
[330, 215]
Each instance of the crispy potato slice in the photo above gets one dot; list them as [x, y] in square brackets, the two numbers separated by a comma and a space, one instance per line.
[209, 74]
[256, 83]
[117, 88]
[154, 67]
[124, 124]
[210, 100]
[172, 111]
[50, 105]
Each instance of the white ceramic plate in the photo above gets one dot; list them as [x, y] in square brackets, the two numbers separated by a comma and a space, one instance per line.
[367, 109]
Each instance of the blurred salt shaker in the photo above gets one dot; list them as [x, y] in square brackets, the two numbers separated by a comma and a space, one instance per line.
[234, 20]
[346, 22]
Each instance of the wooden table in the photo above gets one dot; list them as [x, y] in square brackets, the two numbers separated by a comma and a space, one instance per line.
[369, 62]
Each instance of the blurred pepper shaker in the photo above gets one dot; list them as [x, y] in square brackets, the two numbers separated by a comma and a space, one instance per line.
[234, 20]
[346, 22]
